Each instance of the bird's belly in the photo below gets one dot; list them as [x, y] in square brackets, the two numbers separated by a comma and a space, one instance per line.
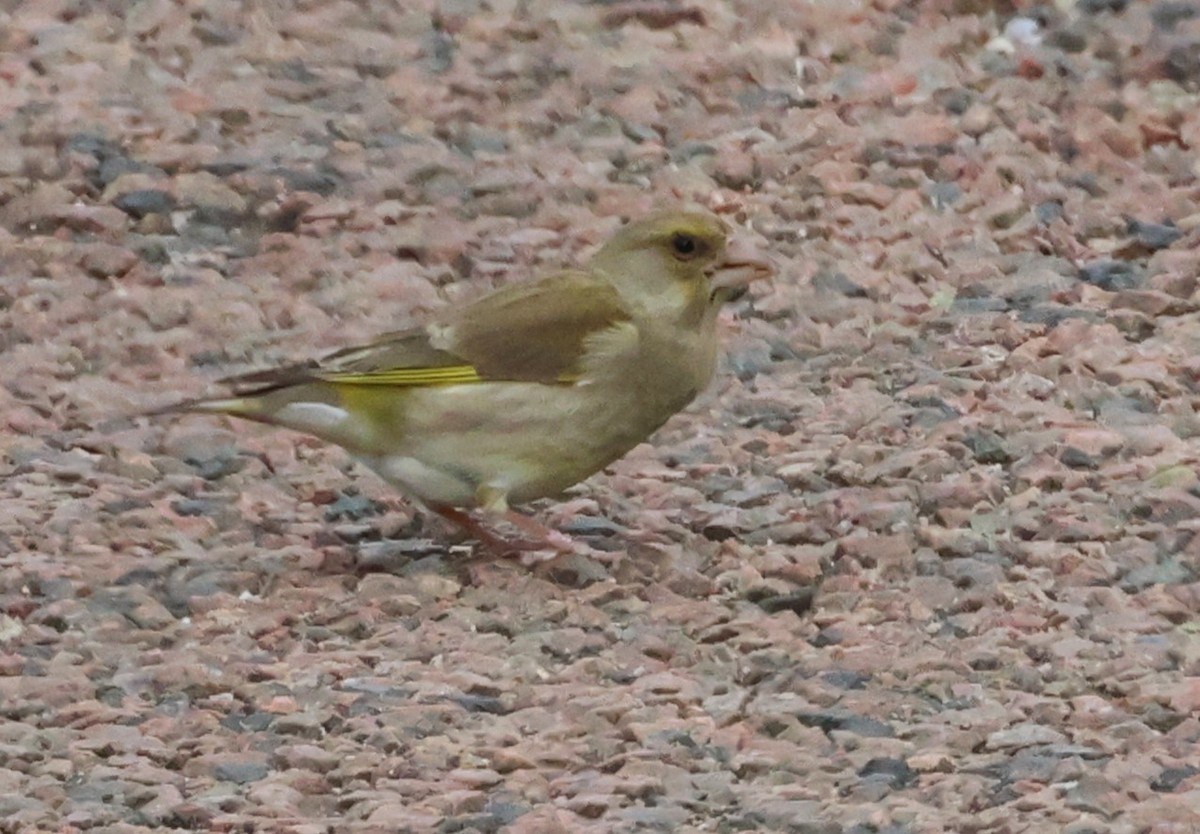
[522, 439]
[430, 484]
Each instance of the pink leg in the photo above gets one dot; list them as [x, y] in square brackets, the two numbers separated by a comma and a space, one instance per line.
[473, 528]
[540, 533]
[543, 539]
[538, 537]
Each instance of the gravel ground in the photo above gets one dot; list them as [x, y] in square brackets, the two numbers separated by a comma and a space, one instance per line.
[925, 559]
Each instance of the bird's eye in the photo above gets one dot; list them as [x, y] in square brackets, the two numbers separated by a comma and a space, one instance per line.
[684, 246]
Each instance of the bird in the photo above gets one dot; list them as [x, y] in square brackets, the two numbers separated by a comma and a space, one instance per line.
[525, 391]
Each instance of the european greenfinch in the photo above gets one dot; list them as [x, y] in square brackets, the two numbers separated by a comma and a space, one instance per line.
[527, 390]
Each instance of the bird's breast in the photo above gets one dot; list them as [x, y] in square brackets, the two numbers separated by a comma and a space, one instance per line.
[673, 368]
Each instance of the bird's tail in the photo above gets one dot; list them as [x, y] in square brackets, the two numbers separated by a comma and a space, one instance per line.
[245, 407]
[314, 407]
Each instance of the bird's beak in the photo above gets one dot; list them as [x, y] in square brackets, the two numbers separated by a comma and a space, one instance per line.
[743, 265]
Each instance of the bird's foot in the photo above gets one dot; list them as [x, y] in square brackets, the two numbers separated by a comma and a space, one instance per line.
[542, 543]
[535, 543]
[550, 545]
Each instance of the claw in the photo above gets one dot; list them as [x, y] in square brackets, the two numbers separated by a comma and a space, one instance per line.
[538, 543]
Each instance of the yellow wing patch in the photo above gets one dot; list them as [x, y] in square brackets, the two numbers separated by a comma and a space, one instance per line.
[419, 377]
[408, 377]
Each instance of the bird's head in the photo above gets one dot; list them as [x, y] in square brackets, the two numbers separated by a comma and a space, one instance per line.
[679, 264]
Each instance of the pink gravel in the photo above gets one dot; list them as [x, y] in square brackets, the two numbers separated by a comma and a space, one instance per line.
[925, 559]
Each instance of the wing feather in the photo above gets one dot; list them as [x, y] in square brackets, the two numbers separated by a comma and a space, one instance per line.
[535, 332]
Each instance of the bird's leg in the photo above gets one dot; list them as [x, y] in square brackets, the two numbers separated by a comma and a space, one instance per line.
[494, 501]
[541, 545]
[540, 537]
[473, 528]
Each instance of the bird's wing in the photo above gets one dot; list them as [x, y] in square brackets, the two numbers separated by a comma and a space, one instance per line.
[534, 332]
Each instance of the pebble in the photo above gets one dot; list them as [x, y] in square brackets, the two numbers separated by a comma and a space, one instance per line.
[1024, 735]
[201, 189]
[240, 770]
[142, 202]
[1110, 275]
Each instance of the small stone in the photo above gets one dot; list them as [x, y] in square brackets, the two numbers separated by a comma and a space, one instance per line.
[837, 282]
[306, 757]
[798, 602]
[735, 169]
[107, 260]
[987, 447]
[1023, 30]
[192, 507]
[1171, 571]
[1048, 212]
[161, 807]
[240, 771]
[1024, 735]
[1168, 14]
[1153, 236]
[589, 525]
[848, 722]
[396, 554]
[978, 119]
[1182, 63]
[138, 204]
[1172, 777]
[204, 190]
[152, 615]
[1069, 39]
[956, 100]
[801, 816]
[846, 678]
[1078, 459]
[352, 506]
[1110, 275]
[654, 15]
[828, 636]
[895, 771]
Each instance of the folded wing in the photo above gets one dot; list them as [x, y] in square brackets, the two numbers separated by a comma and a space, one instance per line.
[534, 332]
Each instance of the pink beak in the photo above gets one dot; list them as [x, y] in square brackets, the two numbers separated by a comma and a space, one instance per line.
[743, 265]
